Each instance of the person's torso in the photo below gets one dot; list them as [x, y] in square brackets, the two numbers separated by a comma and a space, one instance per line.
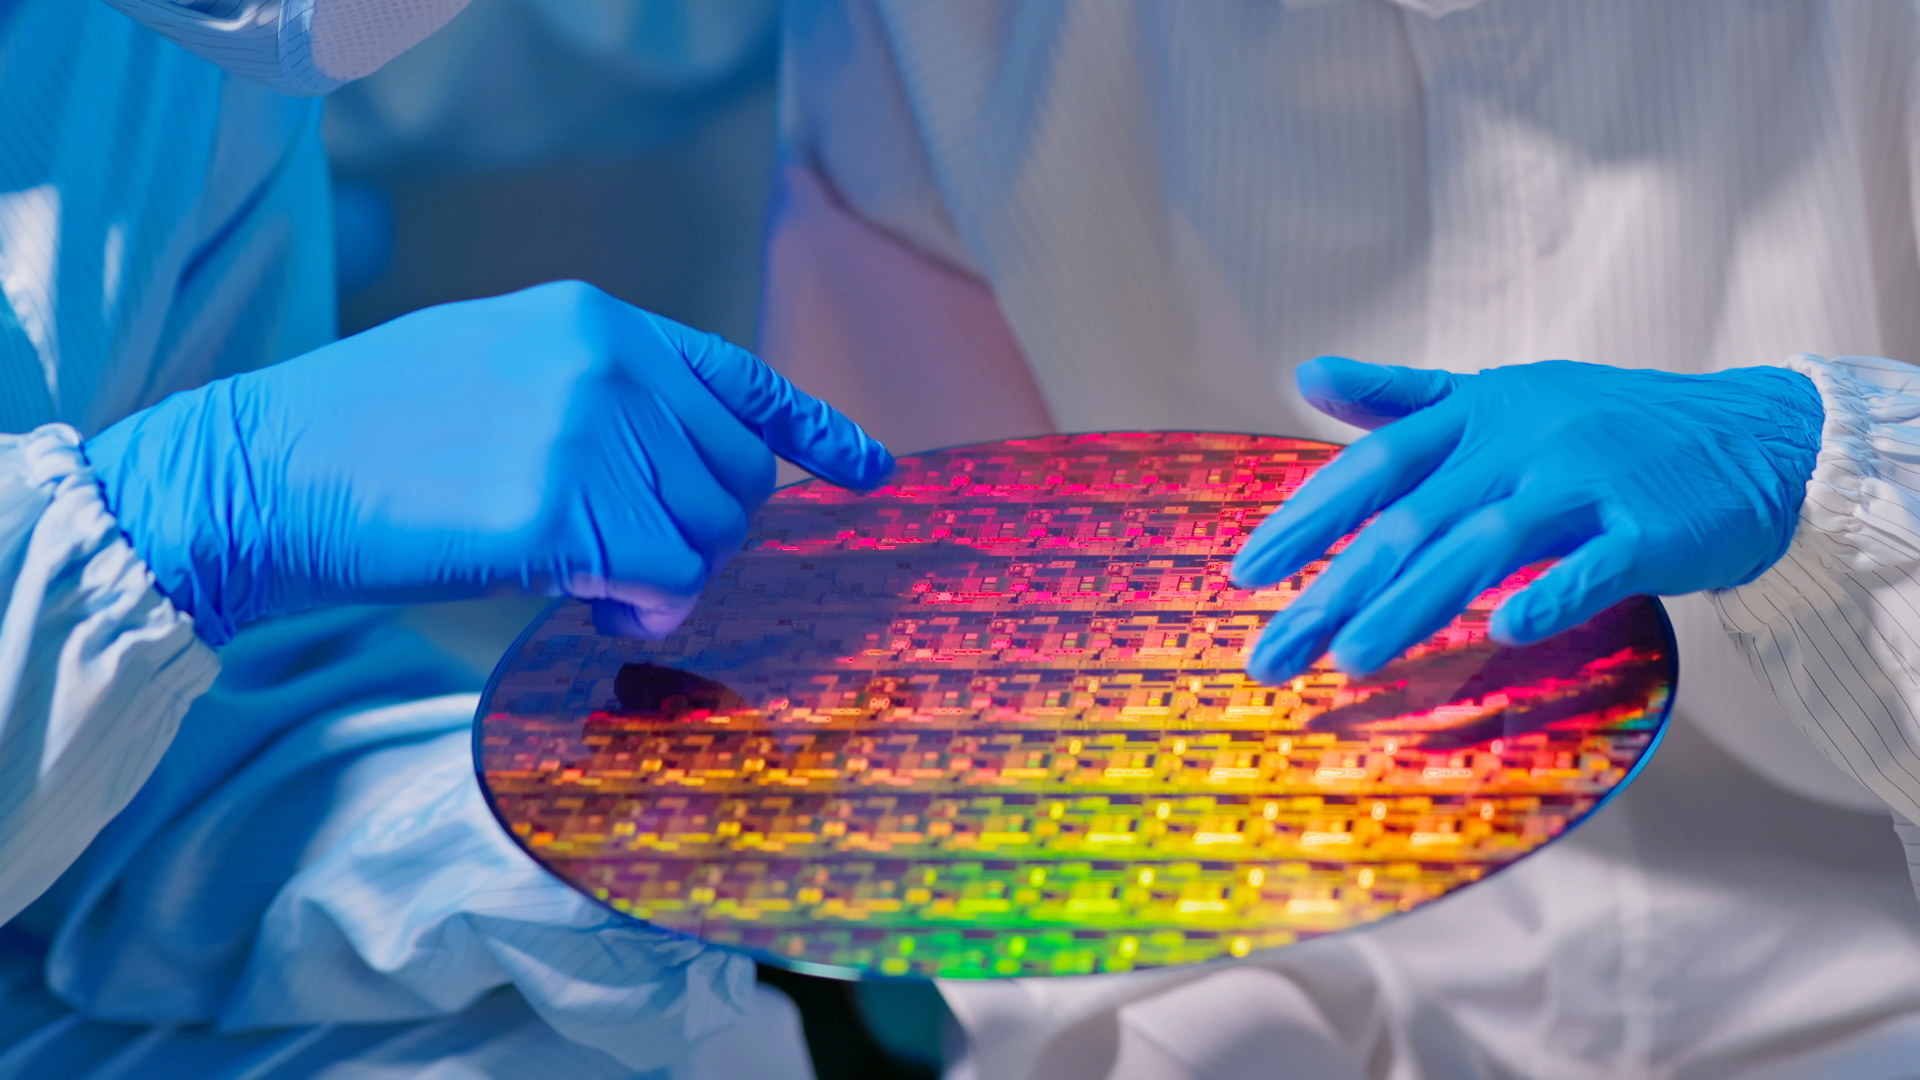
[1173, 205]
[1176, 204]
[161, 223]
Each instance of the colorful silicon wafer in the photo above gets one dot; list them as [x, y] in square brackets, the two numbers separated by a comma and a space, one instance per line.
[992, 720]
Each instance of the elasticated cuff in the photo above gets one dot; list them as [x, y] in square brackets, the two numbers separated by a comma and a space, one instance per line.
[1833, 627]
[1860, 509]
[96, 667]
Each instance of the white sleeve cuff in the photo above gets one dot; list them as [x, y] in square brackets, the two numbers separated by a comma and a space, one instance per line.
[96, 666]
[1833, 628]
[1862, 509]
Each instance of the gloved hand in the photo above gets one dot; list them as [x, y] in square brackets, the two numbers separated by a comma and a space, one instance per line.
[553, 440]
[1647, 482]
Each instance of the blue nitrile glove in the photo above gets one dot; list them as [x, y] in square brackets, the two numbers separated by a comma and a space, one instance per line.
[1647, 482]
[554, 440]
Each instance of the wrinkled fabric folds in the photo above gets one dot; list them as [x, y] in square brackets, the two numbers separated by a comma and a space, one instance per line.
[304, 880]
[96, 667]
[351, 872]
[299, 47]
[1174, 206]
[1833, 628]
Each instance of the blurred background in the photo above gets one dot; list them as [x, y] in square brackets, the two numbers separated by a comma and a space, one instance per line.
[626, 143]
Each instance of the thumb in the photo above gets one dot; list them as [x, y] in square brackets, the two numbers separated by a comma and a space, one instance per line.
[1368, 395]
[1598, 575]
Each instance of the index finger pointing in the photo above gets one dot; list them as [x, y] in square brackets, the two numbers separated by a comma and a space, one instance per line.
[795, 425]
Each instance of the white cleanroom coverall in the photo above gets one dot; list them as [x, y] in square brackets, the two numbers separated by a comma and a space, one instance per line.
[1093, 215]
[273, 862]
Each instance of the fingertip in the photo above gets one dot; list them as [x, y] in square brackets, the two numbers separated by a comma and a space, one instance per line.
[1285, 649]
[1245, 571]
[794, 424]
[1515, 624]
[1268, 671]
[1566, 596]
[851, 459]
[611, 618]
[647, 612]
[1338, 387]
[1266, 557]
[1357, 660]
[1261, 666]
[1368, 395]
[877, 466]
[1532, 615]
[1507, 629]
[1327, 376]
[1275, 562]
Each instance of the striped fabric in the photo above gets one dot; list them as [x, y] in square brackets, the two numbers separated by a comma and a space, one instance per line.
[149, 239]
[96, 668]
[268, 41]
[1834, 627]
[305, 880]
[1172, 205]
[299, 47]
